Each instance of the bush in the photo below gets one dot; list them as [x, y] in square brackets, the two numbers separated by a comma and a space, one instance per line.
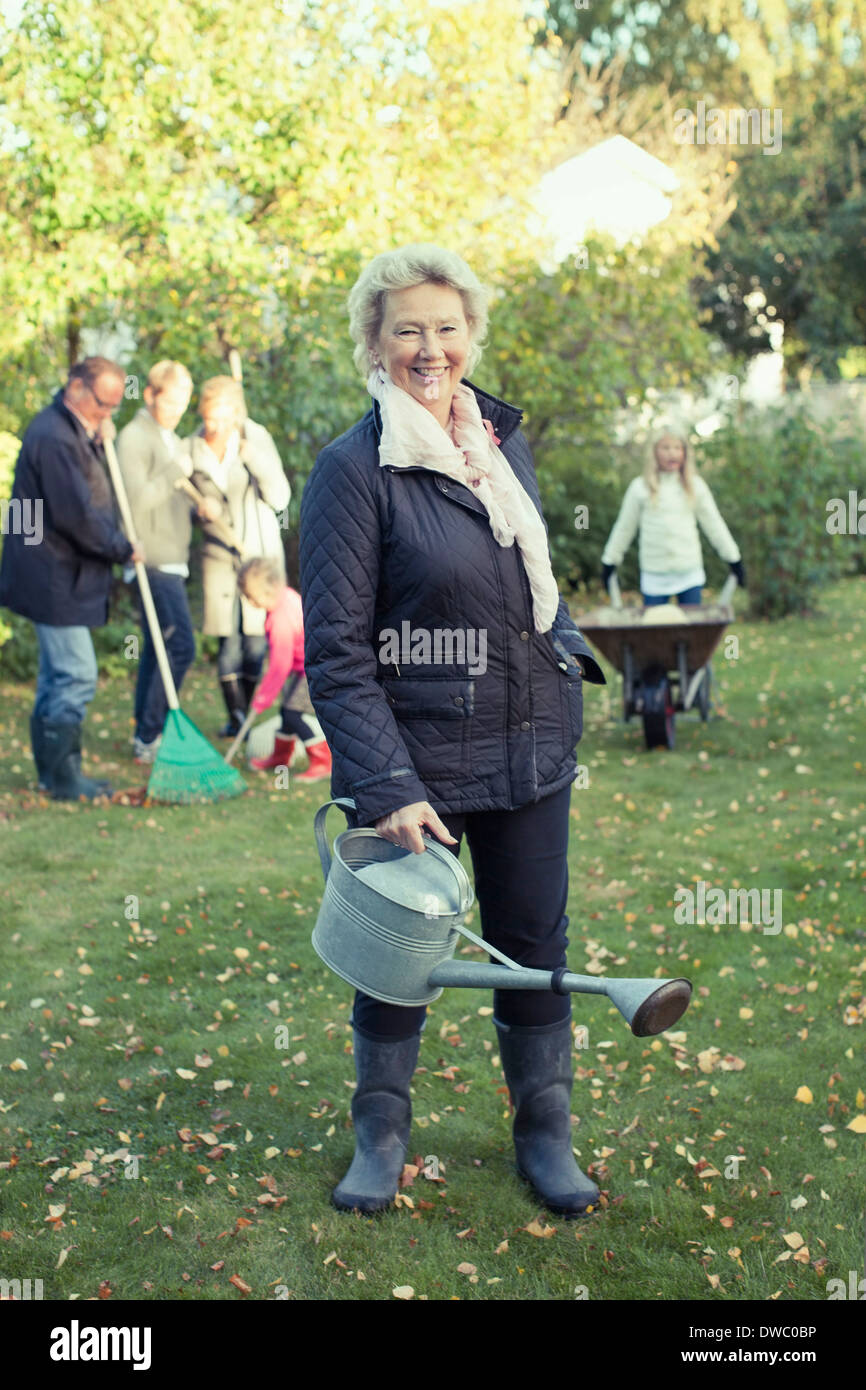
[9, 447]
[773, 473]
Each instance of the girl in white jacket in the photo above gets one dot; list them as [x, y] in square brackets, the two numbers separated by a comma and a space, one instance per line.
[668, 503]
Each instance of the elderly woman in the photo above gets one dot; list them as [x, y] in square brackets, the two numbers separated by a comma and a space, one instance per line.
[235, 462]
[424, 519]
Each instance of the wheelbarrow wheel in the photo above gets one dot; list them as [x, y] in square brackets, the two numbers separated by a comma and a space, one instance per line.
[658, 713]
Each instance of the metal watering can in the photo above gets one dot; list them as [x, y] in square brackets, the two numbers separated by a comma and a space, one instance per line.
[390, 921]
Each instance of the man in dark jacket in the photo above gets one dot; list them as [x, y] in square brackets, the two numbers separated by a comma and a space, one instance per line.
[62, 584]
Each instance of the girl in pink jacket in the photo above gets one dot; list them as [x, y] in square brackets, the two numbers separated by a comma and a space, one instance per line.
[261, 582]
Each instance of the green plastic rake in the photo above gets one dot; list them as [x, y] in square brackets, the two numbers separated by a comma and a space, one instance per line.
[187, 768]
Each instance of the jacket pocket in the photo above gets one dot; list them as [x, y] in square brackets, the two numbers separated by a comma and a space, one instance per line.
[570, 689]
[435, 718]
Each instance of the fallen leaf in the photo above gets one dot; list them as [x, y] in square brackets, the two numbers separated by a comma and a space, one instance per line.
[466, 1268]
[404, 1291]
[535, 1228]
[793, 1239]
[804, 1095]
[858, 1124]
[710, 1210]
[240, 1284]
[185, 1074]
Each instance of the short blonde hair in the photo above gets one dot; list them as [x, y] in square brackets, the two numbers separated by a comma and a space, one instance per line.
[687, 467]
[263, 569]
[223, 388]
[417, 264]
[163, 373]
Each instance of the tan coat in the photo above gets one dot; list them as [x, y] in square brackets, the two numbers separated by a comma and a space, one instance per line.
[256, 489]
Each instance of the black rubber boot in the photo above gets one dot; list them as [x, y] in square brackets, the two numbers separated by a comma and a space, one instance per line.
[248, 685]
[382, 1115]
[236, 704]
[539, 1070]
[37, 744]
[62, 751]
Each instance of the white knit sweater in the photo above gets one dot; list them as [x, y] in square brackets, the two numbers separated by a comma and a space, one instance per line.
[669, 540]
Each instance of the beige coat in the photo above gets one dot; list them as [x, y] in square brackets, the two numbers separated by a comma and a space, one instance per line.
[256, 489]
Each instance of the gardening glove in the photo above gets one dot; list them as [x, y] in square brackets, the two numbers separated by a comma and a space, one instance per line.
[606, 572]
[739, 569]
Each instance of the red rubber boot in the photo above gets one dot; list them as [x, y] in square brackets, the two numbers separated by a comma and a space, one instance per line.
[319, 755]
[284, 747]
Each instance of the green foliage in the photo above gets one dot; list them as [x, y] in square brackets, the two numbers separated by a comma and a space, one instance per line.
[772, 474]
[580, 351]
[9, 447]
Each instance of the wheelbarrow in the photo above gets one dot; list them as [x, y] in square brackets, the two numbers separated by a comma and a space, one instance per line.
[390, 921]
[664, 664]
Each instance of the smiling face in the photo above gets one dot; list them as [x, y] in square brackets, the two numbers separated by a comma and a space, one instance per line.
[423, 344]
[670, 454]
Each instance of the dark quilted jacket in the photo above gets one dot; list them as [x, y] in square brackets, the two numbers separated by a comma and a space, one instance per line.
[380, 547]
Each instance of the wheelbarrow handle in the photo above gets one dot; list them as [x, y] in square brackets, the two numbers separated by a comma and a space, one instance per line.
[729, 588]
[615, 592]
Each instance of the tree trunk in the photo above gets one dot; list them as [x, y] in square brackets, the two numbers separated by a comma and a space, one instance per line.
[73, 334]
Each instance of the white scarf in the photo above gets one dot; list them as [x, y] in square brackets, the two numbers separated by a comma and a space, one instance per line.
[412, 437]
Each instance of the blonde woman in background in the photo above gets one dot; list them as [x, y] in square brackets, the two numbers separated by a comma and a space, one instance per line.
[235, 462]
[668, 504]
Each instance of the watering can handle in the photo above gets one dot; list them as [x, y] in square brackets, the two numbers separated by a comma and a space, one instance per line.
[446, 857]
[346, 804]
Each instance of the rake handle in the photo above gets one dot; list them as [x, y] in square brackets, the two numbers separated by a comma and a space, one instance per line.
[141, 575]
[219, 528]
[240, 735]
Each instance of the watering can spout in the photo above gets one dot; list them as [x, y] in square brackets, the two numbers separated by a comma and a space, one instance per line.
[648, 1006]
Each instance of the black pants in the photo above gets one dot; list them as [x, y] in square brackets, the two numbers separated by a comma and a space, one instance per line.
[172, 610]
[296, 724]
[521, 883]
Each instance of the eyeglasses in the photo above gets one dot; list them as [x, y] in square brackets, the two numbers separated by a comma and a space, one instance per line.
[104, 405]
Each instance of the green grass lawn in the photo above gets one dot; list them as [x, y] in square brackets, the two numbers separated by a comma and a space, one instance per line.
[151, 954]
